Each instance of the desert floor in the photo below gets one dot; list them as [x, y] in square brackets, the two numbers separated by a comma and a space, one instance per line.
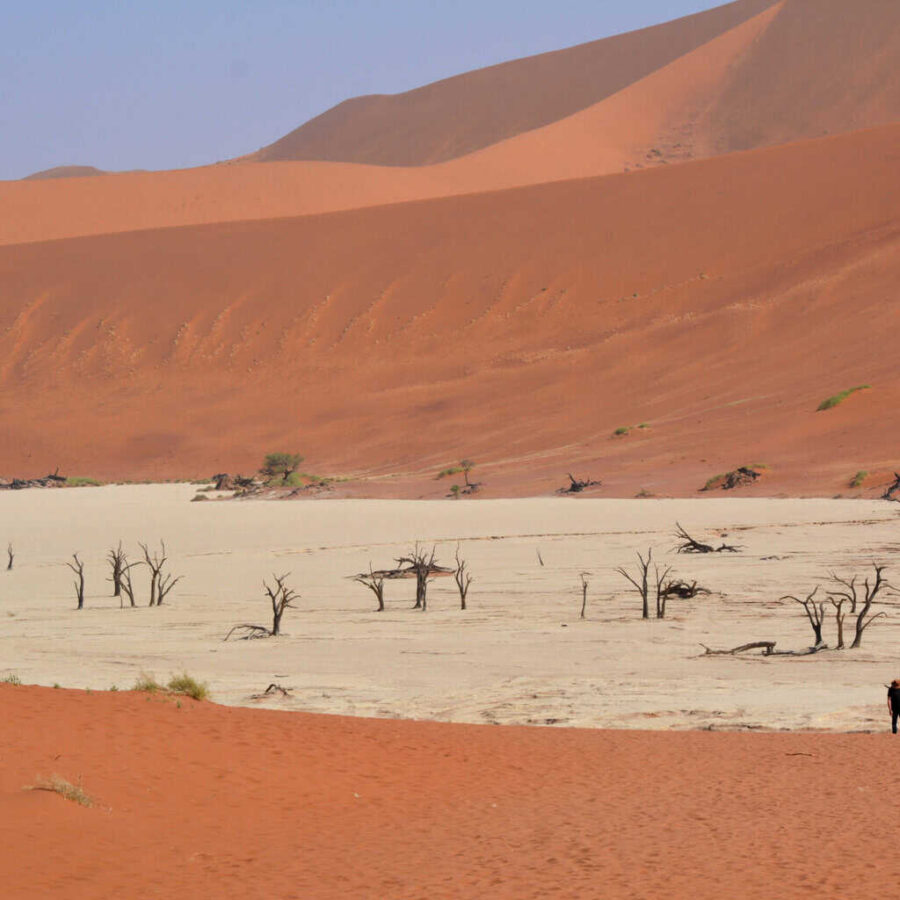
[519, 655]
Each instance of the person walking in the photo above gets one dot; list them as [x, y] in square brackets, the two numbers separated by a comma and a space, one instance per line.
[893, 700]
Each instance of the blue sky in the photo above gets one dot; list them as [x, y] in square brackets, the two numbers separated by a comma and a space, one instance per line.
[162, 84]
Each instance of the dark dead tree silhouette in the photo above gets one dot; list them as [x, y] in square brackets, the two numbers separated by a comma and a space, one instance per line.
[686, 544]
[423, 564]
[161, 582]
[462, 578]
[10, 557]
[374, 581]
[584, 590]
[870, 591]
[117, 559]
[77, 566]
[815, 613]
[282, 598]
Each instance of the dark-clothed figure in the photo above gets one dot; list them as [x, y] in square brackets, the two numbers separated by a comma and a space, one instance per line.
[894, 703]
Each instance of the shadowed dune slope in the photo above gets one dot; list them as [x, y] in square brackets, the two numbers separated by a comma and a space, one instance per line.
[253, 803]
[458, 115]
[719, 301]
[65, 172]
[822, 67]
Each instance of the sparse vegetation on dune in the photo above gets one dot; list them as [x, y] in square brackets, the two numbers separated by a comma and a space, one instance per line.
[836, 399]
[859, 478]
[178, 684]
[58, 785]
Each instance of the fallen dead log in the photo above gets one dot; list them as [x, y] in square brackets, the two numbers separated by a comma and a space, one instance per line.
[768, 648]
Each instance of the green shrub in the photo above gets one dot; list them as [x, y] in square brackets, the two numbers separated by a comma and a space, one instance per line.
[833, 401]
[190, 687]
[859, 478]
[83, 482]
[12, 678]
[283, 464]
[621, 431]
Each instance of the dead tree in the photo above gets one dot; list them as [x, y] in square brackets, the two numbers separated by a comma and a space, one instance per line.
[815, 613]
[584, 590]
[77, 566]
[687, 544]
[374, 581]
[463, 579]
[865, 617]
[160, 582]
[422, 565]
[892, 489]
[282, 597]
[126, 584]
[10, 557]
[838, 601]
[117, 559]
[642, 584]
[577, 485]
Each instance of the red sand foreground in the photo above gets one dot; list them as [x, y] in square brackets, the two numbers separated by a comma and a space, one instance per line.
[204, 800]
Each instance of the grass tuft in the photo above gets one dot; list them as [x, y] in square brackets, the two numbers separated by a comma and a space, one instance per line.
[834, 400]
[12, 678]
[83, 482]
[57, 785]
[621, 431]
[190, 687]
[859, 478]
[148, 684]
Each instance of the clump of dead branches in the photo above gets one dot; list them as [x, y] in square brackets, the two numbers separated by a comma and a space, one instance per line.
[686, 544]
[577, 485]
[418, 564]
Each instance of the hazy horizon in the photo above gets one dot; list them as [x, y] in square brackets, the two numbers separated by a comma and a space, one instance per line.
[183, 85]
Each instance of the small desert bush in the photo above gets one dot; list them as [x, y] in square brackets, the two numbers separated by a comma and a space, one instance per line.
[622, 431]
[834, 400]
[148, 684]
[453, 470]
[57, 785]
[190, 687]
[82, 482]
[12, 678]
[859, 478]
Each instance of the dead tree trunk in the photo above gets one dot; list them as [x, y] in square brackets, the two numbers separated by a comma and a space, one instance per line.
[374, 581]
[282, 597]
[892, 488]
[126, 584]
[161, 582]
[463, 579]
[687, 544]
[815, 613]
[641, 585]
[10, 557]
[767, 647]
[838, 601]
[584, 590]
[871, 592]
[422, 565]
[78, 568]
[117, 559]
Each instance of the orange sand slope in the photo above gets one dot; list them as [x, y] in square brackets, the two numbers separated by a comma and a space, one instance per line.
[244, 803]
[719, 301]
[743, 76]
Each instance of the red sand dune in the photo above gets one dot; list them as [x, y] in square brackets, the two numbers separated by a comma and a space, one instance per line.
[720, 301]
[742, 76]
[455, 116]
[224, 802]
[823, 66]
